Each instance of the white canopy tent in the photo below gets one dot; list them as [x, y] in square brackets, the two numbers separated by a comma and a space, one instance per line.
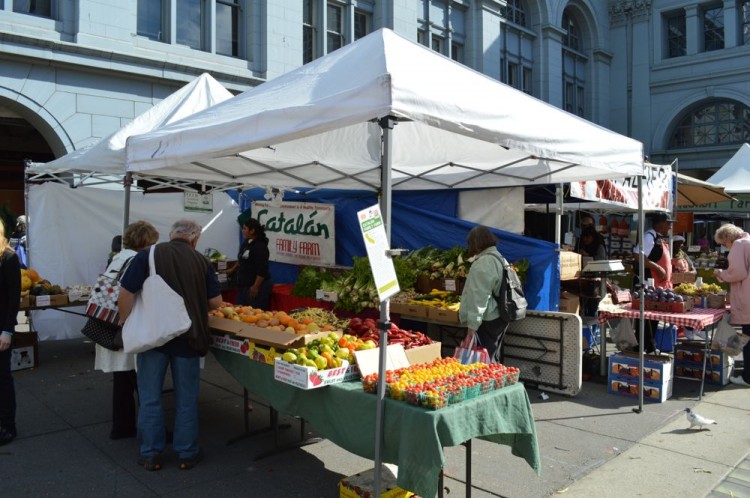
[378, 114]
[107, 156]
[320, 126]
[68, 251]
[734, 176]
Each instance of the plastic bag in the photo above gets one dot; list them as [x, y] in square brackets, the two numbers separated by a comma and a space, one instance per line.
[471, 351]
[623, 335]
[726, 338]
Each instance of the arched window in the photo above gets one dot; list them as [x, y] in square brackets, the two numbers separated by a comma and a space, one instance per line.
[722, 122]
[574, 66]
[516, 55]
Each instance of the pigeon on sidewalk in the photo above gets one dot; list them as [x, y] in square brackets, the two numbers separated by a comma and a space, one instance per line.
[698, 420]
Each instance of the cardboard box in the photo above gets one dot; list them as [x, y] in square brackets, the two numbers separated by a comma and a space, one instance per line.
[689, 363]
[624, 370]
[440, 315]
[260, 335]
[25, 302]
[683, 277]
[307, 377]
[657, 393]
[24, 351]
[362, 485]
[655, 368]
[396, 357]
[570, 265]
[569, 303]
[55, 300]
[411, 310]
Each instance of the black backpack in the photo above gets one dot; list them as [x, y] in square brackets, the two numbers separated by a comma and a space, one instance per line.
[511, 301]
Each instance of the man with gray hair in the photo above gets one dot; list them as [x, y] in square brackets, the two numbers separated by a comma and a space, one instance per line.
[189, 274]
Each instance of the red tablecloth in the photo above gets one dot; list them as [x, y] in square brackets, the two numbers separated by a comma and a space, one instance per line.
[697, 318]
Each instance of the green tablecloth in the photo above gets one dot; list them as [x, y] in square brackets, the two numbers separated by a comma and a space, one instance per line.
[414, 437]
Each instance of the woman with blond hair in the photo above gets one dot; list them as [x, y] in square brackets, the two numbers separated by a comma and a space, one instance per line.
[138, 236]
[737, 275]
[10, 298]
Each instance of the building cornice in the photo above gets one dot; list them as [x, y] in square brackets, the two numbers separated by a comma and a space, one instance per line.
[14, 46]
[620, 10]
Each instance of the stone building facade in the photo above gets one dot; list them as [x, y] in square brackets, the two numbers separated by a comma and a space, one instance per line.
[672, 74]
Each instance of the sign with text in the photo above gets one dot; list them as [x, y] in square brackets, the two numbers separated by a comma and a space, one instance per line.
[301, 233]
[657, 190]
[376, 243]
[199, 203]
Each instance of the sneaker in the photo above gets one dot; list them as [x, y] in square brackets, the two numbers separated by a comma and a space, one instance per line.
[189, 463]
[738, 381]
[6, 436]
[151, 463]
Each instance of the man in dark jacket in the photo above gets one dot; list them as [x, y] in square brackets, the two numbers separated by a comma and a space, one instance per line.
[190, 275]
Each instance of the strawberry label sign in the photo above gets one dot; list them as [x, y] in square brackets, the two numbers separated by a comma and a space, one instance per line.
[230, 344]
[307, 377]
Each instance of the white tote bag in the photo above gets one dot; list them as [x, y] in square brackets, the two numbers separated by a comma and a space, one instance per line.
[158, 316]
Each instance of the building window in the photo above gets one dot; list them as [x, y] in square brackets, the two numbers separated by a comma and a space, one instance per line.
[308, 31]
[228, 27]
[514, 12]
[41, 8]
[362, 23]
[335, 27]
[190, 22]
[745, 21]
[720, 123]
[574, 67]
[150, 22]
[713, 28]
[676, 39]
[193, 24]
[442, 27]
[343, 21]
[516, 44]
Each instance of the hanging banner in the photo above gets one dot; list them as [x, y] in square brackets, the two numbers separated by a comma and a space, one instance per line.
[301, 233]
[376, 243]
[657, 190]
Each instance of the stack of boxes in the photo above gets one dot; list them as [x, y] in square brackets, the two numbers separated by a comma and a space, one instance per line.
[689, 364]
[624, 376]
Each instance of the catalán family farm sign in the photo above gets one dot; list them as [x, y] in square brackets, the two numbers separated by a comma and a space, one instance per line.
[301, 233]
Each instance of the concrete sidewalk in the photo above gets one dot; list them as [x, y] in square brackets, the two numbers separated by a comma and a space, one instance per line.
[591, 445]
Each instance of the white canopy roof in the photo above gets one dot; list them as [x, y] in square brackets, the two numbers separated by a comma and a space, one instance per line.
[108, 155]
[734, 176]
[317, 126]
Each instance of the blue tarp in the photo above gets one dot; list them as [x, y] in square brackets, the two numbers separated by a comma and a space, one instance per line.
[419, 219]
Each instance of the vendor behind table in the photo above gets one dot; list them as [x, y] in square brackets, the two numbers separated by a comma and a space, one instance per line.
[253, 276]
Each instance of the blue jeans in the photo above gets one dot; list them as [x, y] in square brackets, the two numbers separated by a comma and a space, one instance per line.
[152, 367]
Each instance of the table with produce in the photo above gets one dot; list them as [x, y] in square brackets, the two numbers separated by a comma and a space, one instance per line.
[304, 362]
[687, 305]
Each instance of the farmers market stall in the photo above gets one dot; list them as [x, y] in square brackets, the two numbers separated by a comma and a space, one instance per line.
[414, 437]
[373, 115]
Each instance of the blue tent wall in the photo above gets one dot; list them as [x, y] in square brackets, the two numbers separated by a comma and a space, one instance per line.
[419, 219]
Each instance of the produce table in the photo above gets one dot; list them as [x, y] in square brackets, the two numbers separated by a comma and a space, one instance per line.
[413, 437]
[697, 318]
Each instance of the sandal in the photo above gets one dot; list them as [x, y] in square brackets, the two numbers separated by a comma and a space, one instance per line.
[189, 463]
[150, 463]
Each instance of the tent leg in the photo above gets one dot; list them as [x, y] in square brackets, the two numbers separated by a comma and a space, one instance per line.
[641, 325]
[127, 183]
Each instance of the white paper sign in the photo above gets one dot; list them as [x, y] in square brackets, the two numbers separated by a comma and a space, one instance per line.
[376, 243]
[199, 203]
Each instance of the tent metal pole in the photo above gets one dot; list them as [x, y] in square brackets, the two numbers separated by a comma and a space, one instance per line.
[641, 300]
[127, 183]
[558, 215]
[386, 157]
